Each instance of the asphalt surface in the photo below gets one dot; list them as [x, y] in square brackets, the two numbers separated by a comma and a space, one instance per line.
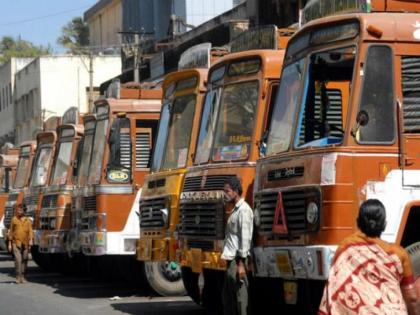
[52, 293]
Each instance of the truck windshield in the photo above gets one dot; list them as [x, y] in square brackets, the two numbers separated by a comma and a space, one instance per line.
[99, 142]
[285, 108]
[161, 137]
[235, 125]
[62, 163]
[119, 164]
[179, 132]
[83, 168]
[2, 179]
[21, 172]
[207, 126]
[322, 95]
[41, 166]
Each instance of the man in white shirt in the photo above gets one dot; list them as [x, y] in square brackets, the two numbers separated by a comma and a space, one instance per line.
[236, 250]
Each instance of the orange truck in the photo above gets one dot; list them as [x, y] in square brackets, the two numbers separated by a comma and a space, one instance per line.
[55, 206]
[23, 171]
[8, 162]
[344, 129]
[183, 93]
[241, 89]
[41, 170]
[107, 201]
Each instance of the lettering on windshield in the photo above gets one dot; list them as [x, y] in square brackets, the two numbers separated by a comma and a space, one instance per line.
[239, 139]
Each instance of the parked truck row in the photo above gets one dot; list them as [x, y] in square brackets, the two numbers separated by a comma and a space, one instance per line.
[313, 119]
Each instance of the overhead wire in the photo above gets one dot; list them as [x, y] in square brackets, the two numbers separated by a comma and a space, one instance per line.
[43, 17]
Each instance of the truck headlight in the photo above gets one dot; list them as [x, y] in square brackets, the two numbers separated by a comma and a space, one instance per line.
[312, 213]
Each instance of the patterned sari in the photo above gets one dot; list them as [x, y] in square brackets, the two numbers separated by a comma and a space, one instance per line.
[366, 278]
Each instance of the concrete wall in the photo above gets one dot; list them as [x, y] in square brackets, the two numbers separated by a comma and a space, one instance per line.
[7, 97]
[200, 11]
[50, 85]
[105, 21]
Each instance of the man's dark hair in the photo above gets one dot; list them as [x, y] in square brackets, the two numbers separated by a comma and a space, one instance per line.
[372, 218]
[235, 184]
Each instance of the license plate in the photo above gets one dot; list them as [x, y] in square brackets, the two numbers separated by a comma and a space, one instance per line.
[197, 265]
[290, 292]
[283, 263]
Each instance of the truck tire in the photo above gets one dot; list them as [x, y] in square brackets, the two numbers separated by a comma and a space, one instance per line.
[165, 278]
[190, 280]
[42, 260]
[212, 291]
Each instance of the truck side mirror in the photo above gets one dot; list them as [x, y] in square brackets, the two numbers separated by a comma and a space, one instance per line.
[362, 119]
[262, 144]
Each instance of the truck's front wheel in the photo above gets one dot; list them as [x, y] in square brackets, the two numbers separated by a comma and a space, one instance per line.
[165, 278]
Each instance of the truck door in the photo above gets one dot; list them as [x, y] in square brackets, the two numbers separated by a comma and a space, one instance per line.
[409, 119]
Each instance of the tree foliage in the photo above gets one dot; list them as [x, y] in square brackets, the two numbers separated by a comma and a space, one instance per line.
[10, 47]
[75, 36]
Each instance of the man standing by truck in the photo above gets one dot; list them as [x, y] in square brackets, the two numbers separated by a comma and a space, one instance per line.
[20, 241]
[236, 249]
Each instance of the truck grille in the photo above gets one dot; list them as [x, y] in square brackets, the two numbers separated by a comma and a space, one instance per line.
[150, 214]
[89, 203]
[212, 182]
[143, 145]
[202, 244]
[202, 219]
[294, 203]
[8, 210]
[49, 201]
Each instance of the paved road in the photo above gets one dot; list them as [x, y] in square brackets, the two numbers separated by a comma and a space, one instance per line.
[53, 294]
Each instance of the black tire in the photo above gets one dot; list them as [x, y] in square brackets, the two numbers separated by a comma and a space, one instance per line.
[165, 278]
[213, 290]
[42, 260]
[190, 280]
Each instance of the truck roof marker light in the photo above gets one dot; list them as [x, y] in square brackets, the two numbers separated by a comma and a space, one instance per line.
[280, 223]
[374, 31]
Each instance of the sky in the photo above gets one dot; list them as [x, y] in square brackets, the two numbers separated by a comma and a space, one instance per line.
[39, 21]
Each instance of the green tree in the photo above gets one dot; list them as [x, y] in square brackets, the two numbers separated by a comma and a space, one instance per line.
[10, 47]
[75, 36]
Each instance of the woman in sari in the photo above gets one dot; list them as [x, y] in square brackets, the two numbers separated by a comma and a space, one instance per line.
[369, 275]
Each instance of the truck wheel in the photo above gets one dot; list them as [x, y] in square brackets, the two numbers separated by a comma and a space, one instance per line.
[165, 278]
[190, 280]
[42, 260]
[212, 291]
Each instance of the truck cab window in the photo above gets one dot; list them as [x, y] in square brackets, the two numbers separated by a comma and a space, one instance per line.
[325, 98]
[119, 164]
[378, 99]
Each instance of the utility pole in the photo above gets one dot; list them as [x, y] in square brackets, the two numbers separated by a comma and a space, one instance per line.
[133, 49]
[136, 58]
[90, 81]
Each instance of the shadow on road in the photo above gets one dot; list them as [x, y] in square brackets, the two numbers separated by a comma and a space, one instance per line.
[159, 308]
[80, 287]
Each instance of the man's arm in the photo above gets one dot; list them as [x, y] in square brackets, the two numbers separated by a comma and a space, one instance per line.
[10, 236]
[245, 237]
[31, 234]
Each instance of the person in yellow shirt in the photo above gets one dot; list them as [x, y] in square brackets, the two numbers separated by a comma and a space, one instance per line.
[20, 242]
